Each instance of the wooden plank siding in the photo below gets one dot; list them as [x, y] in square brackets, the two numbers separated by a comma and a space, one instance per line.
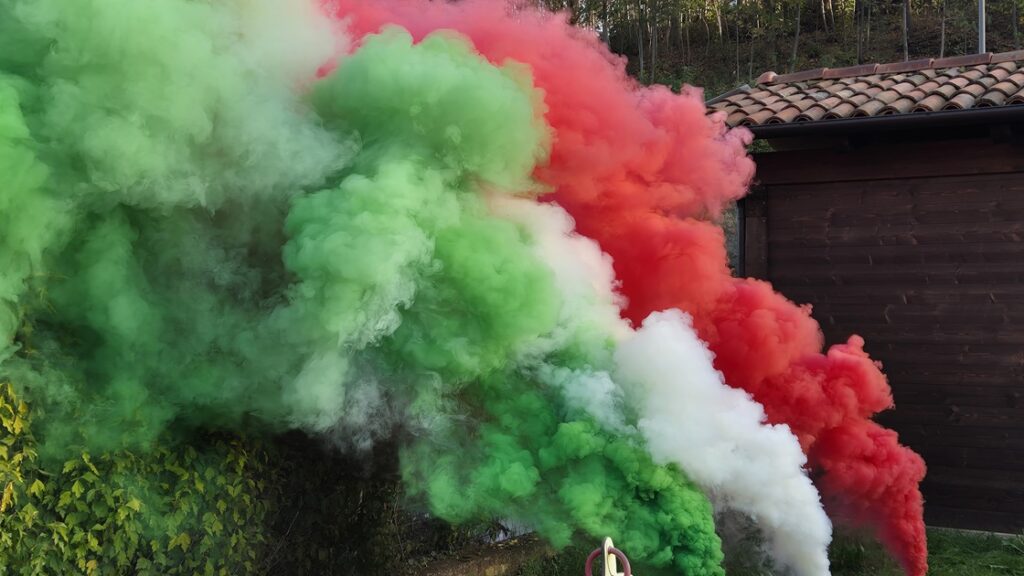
[920, 250]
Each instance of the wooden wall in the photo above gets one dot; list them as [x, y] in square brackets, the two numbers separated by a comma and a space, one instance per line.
[921, 251]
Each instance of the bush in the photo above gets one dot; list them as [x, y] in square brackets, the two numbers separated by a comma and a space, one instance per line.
[174, 510]
[214, 505]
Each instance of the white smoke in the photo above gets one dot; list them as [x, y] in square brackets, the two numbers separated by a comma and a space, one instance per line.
[719, 436]
[589, 315]
[687, 414]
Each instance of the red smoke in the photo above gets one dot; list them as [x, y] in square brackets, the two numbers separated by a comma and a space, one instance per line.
[637, 167]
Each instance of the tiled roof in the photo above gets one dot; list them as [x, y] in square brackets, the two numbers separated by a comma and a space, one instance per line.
[929, 85]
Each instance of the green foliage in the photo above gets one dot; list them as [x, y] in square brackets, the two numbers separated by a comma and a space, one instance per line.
[179, 510]
[219, 505]
[951, 553]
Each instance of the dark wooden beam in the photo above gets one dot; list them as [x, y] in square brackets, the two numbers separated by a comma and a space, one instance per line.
[755, 234]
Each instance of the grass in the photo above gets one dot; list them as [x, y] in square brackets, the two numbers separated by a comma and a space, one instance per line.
[951, 553]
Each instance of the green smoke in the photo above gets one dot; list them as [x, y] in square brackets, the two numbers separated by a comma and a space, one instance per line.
[146, 260]
[188, 242]
[444, 127]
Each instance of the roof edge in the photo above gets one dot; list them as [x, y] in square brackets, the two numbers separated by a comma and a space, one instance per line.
[732, 92]
[971, 116]
[771, 77]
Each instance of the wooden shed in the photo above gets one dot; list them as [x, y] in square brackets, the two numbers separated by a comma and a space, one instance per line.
[892, 201]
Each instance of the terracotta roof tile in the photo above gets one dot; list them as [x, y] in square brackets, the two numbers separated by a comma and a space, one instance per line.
[787, 115]
[972, 74]
[1007, 57]
[961, 101]
[1007, 87]
[759, 117]
[1014, 68]
[974, 90]
[904, 86]
[901, 106]
[999, 74]
[812, 114]
[737, 98]
[931, 103]
[988, 81]
[926, 85]
[845, 94]
[736, 118]
[889, 96]
[878, 80]
[858, 99]
[786, 91]
[959, 81]
[993, 98]
[801, 76]
[946, 91]
[1017, 98]
[896, 67]
[869, 108]
[844, 110]
[860, 85]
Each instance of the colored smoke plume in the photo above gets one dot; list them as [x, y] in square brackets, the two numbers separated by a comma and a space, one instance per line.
[211, 239]
[688, 416]
[643, 202]
[229, 216]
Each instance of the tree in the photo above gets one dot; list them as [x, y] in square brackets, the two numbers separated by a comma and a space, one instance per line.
[906, 30]
[796, 37]
[942, 34]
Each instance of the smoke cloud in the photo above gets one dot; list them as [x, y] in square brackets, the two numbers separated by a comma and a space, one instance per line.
[645, 205]
[689, 416]
[353, 219]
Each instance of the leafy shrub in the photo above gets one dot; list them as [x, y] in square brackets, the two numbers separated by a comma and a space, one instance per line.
[174, 510]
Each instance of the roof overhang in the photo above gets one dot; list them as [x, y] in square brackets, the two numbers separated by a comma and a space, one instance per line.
[973, 117]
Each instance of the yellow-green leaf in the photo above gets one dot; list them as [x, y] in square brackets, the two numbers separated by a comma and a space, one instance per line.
[183, 541]
[8, 498]
[36, 488]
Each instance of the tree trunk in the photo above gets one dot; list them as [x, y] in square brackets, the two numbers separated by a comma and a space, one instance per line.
[737, 51]
[858, 17]
[689, 57]
[605, 24]
[640, 36]
[718, 18]
[942, 32]
[796, 37]
[750, 59]
[653, 33]
[1013, 17]
[906, 30]
[867, 33]
[707, 35]
[675, 34]
[824, 16]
